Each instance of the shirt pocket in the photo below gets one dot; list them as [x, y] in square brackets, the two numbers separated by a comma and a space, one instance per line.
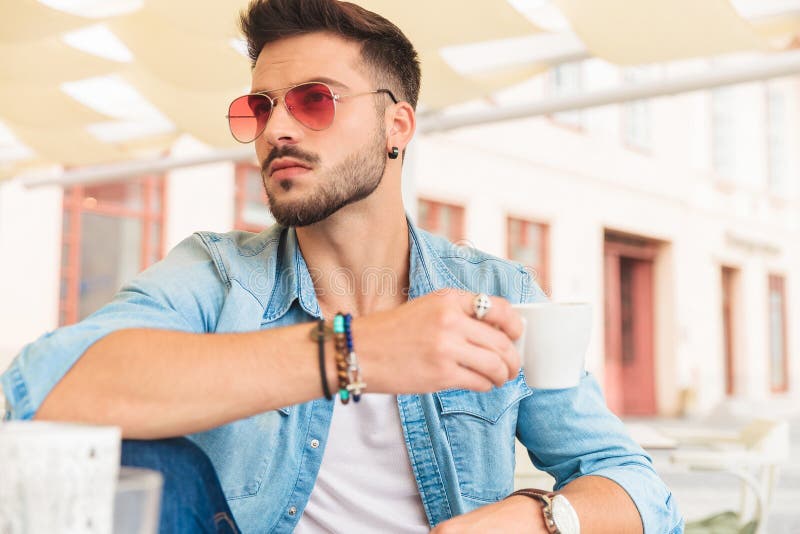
[242, 451]
[481, 430]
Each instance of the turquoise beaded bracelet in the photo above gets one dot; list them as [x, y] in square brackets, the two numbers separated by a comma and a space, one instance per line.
[355, 384]
[340, 341]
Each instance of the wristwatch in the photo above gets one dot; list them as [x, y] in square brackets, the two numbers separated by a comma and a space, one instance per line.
[559, 515]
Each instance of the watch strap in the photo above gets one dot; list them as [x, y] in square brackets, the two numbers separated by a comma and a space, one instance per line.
[545, 499]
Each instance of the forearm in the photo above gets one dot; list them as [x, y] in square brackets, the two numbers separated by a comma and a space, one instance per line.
[603, 507]
[159, 383]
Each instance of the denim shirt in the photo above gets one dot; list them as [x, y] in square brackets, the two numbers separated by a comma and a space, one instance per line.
[460, 442]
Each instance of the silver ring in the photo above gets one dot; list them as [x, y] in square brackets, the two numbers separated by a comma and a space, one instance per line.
[481, 305]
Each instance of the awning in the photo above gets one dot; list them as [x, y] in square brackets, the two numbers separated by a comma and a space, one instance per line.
[121, 80]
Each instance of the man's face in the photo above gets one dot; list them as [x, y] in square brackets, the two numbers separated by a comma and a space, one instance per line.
[339, 165]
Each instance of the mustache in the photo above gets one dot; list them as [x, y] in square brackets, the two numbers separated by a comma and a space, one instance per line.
[289, 151]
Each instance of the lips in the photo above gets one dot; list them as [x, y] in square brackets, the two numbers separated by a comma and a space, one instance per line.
[286, 168]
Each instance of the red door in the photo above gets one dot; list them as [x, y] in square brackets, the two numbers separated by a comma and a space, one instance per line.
[629, 326]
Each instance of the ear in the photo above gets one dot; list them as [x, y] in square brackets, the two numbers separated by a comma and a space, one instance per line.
[401, 123]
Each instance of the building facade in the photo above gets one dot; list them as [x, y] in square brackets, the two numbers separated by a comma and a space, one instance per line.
[678, 219]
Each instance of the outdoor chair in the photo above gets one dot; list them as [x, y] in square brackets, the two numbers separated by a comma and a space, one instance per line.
[752, 455]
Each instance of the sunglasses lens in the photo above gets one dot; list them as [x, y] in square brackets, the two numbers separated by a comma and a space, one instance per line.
[312, 105]
[247, 116]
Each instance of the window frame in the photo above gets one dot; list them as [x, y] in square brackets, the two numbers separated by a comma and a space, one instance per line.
[436, 205]
[240, 198]
[74, 205]
[553, 89]
[725, 174]
[778, 282]
[542, 271]
[776, 184]
[627, 111]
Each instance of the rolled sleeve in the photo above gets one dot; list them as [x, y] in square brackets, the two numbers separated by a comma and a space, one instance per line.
[183, 292]
[647, 491]
[570, 433]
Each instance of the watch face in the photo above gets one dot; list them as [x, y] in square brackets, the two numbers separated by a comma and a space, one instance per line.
[564, 515]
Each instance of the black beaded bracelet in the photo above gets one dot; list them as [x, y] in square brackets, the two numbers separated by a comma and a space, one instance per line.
[320, 334]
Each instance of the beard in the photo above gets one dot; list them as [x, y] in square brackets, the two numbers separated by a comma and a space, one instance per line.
[352, 180]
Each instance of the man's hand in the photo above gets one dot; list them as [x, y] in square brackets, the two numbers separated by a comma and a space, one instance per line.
[514, 515]
[434, 343]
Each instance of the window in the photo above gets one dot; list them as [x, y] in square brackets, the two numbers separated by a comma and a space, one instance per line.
[527, 244]
[252, 208]
[566, 79]
[636, 115]
[723, 132]
[778, 172]
[110, 232]
[440, 218]
[778, 357]
[636, 124]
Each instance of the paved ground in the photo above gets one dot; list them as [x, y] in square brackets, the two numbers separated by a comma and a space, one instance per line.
[702, 494]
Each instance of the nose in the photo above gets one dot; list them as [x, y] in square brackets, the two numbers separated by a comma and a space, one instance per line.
[282, 128]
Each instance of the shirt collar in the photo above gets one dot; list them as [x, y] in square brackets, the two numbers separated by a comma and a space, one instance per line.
[293, 281]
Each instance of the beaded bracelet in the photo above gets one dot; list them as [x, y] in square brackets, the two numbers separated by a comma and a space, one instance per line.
[340, 342]
[355, 385]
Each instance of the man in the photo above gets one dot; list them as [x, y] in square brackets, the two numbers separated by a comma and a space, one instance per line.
[215, 342]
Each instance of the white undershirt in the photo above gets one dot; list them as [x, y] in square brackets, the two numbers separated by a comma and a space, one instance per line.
[365, 482]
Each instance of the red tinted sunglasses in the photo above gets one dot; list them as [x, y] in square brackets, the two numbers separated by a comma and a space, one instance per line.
[312, 104]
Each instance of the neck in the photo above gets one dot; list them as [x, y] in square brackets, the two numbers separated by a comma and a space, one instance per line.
[359, 256]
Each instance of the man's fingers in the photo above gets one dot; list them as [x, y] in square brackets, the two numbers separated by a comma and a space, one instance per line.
[466, 378]
[485, 362]
[500, 314]
[489, 337]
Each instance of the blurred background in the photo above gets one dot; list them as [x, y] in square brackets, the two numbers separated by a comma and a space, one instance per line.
[642, 156]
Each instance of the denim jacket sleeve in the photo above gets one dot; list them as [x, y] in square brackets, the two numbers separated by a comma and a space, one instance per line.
[571, 433]
[183, 292]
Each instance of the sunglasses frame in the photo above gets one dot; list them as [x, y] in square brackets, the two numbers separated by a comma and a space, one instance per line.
[274, 103]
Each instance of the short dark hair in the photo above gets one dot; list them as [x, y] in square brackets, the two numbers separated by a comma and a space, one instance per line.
[384, 48]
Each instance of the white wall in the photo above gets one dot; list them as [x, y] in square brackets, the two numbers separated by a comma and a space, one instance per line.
[30, 241]
[198, 198]
[581, 183]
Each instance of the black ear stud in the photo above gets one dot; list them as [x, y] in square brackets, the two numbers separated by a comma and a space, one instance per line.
[394, 153]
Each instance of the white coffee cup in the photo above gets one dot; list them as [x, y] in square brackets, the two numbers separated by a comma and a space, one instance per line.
[554, 342]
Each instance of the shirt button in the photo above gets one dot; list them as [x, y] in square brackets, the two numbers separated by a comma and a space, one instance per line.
[292, 510]
[314, 443]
